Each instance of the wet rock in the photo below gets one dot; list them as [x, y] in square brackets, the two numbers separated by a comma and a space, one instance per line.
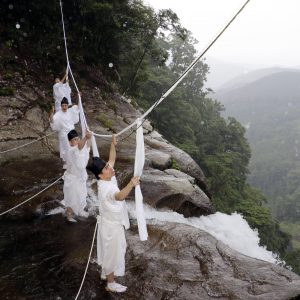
[35, 116]
[184, 161]
[158, 160]
[45, 258]
[161, 189]
[179, 174]
[182, 262]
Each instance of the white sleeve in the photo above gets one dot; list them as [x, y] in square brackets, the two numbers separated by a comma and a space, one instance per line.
[74, 114]
[110, 196]
[56, 124]
[81, 157]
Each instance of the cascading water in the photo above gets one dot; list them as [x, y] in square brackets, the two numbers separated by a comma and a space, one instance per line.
[233, 230]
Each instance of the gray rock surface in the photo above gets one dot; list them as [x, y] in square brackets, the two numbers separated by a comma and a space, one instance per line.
[27, 121]
[47, 256]
[182, 262]
[184, 161]
[157, 159]
[161, 189]
[177, 262]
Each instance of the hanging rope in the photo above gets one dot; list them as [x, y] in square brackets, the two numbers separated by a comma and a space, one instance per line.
[87, 265]
[15, 148]
[63, 25]
[5, 212]
[174, 85]
[181, 77]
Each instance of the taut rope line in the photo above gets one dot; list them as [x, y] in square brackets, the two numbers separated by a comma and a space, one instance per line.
[181, 77]
[87, 265]
[47, 187]
[15, 148]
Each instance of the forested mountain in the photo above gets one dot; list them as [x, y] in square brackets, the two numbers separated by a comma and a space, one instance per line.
[221, 72]
[270, 109]
[148, 51]
[248, 77]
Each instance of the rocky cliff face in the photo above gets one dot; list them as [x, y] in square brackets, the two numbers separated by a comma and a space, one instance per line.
[177, 262]
[23, 119]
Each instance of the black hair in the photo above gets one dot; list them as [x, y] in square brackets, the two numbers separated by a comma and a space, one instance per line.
[64, 101]
[72, 134]
[97, 166]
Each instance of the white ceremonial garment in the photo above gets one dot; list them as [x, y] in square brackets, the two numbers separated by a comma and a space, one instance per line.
[63, 122]
[61, 90]
[84, 127]
[111, 242]
[138, 170]
[75, 177]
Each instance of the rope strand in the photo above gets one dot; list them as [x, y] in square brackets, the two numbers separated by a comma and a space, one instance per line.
[181, 77]
[5, 212]
[15, 148]
[87, 265]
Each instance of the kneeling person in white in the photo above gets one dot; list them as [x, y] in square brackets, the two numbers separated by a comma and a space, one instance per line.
[111, 242]
[75, 177]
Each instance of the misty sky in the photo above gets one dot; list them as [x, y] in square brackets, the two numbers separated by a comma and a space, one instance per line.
[266, 33]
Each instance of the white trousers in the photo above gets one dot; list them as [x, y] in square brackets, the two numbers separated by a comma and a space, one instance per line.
[111, 247]
[75, 193]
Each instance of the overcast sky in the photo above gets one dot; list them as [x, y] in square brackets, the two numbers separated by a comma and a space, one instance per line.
[266, 33]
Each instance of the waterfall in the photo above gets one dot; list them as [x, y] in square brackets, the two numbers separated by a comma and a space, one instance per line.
[233, 230]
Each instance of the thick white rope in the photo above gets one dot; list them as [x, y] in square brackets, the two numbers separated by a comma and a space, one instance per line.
[15, 148]
[181, 77]
[63, 25]
[1, 214]
[87, 265]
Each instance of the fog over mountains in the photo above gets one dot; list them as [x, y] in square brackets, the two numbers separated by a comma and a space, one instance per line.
[267, 103]
[224, 76]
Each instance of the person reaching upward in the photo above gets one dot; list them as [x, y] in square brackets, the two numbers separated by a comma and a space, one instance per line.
[111, 242]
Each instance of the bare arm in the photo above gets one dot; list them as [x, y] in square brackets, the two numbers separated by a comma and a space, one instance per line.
[84, 140]
[120, 196]
[112, 151]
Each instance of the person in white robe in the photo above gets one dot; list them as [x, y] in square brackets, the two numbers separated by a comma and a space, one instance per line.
[75, 177]
[61, 89]
[113, 217]
[63, 121]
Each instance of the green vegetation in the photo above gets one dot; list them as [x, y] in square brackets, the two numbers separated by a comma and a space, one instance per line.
[7, 91]
[175, 165]
[270, 105]
[108, 123]
[8, 76]
[292, 228]
[149, 51]
[113, 106]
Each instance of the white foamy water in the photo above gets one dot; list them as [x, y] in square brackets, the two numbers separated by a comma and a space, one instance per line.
[233, 230]
[54, 211]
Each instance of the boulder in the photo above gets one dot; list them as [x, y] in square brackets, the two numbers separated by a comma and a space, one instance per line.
[45, 258]
[161, 189]
[182, 159]
[182, 262]
[157, 159]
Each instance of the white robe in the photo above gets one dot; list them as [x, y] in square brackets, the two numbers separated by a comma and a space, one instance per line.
[63, 122]
[61, 90]
[75, 177]
[111, 242]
